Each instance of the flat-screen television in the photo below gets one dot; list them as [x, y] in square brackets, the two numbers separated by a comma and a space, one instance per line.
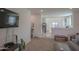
[8, 18]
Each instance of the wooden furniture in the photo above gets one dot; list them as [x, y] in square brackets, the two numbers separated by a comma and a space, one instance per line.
[61, 38]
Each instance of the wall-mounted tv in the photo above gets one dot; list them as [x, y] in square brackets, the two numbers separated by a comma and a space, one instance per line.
[8, 18]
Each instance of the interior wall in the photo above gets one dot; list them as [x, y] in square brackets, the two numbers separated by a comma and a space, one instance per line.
[24, 29]
[2, 36]
[36, 20]
[76, 21]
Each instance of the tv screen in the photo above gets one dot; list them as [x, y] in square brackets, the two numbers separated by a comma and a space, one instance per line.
[12, 21]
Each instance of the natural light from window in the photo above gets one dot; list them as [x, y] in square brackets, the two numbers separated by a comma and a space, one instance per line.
[59, 22]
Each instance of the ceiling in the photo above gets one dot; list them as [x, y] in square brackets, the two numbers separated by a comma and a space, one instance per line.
[53, 11]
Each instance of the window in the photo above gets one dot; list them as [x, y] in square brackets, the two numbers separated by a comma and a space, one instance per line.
[68, 22]
[59, 22]
[54, 24]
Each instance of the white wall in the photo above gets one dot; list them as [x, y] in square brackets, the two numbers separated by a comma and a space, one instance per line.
[2, 36]
[76, 21]
[36, 19]
[23, 31]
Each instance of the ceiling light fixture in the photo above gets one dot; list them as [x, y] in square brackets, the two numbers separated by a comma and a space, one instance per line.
[70, 8]
[42, 10]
